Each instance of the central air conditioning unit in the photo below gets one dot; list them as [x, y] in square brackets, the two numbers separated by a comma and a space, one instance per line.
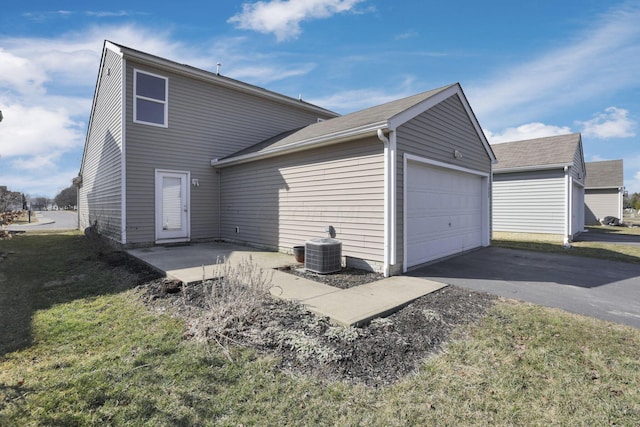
[323, 255]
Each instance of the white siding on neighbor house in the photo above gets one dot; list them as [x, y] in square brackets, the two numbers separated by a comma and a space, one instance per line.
[436, 134]
[284, 201]
[205, 121]
[602, 203]
[100, 196]
[530, 202]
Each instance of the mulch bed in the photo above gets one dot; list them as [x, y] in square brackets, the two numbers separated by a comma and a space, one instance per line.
[377, 354]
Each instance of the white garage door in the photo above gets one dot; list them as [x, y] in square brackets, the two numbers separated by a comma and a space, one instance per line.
[444, 212]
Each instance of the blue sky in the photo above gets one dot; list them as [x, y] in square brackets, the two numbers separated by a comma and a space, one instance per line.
[529, 69]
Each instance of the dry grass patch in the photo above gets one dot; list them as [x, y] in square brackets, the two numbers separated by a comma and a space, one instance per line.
[528, 365]
[553, 244]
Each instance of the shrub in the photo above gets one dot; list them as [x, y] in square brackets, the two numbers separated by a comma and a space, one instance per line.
[234, 300]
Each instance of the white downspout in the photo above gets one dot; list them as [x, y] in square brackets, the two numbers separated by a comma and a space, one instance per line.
[567, 207]
[620, 203]
[389, 200]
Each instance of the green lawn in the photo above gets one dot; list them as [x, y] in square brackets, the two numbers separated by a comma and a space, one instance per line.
[79, 349]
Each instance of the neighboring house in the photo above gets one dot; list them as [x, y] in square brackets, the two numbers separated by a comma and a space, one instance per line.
[538, 186]
[178, 154]
[603, 191]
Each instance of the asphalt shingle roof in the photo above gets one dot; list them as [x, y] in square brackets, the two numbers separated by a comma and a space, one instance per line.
[605, 174]
[369, 116]
[552, 150]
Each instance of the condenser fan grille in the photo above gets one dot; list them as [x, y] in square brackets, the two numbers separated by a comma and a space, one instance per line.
[323, 255]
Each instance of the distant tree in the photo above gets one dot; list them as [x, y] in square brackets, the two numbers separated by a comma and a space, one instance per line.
[67, 198]
[633, 201]
[39, 203]
[9, 200]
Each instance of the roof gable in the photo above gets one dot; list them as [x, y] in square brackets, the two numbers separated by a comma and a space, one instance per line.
[539, 153]
[605, 174]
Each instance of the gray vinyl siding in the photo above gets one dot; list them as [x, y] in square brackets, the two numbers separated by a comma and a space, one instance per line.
[100, 194]
[577, 169]
[205, 121]
[282, 202]
[435, 134]
[529, 202]
[601, 203]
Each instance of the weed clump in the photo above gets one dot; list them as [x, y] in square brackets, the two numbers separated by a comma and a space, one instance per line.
[233, 301]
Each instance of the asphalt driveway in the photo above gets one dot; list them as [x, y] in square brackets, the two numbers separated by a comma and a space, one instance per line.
[598, 288]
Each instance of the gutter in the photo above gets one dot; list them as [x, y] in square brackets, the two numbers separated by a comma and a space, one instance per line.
[532, 168]
[568, 207]
[613, 187]
[314, 142]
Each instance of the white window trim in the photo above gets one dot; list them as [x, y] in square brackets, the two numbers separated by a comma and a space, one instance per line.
[136, 96]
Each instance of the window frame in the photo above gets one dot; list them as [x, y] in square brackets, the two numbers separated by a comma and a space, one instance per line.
[164, 103]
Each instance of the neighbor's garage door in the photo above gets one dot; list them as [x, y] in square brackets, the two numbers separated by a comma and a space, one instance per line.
[444, 212]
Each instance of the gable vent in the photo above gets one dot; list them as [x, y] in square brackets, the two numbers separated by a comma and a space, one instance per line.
[323, 255]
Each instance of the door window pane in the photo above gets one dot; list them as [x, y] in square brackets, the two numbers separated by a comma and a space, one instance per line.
[171, 204]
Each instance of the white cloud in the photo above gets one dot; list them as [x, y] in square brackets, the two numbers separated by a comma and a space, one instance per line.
[633, 185]
[37, 163]
[49, 183]
[631, 163]
[20, 73]
[613, 123]
[603, 59]
[283, 17]
[526, 131]
[406, 35]
[108, 14]
[267, 74]
[34, 131]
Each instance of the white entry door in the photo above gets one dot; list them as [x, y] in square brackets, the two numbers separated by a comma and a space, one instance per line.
[172, 206]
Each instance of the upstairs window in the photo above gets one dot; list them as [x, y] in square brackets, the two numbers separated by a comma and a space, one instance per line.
[150, 98]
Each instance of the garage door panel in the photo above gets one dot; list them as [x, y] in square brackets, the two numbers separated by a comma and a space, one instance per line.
[444, 212]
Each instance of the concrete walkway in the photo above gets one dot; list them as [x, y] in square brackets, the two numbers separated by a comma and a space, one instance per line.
[347, 307]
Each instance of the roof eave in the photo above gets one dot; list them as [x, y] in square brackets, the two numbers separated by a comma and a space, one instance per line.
[610, 187]
[183, 69]
[532, 168]
[306, 144]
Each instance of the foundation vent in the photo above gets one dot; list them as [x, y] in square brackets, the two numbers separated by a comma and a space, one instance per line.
[323, 255]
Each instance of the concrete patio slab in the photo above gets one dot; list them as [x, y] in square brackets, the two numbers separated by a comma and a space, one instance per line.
[347, 307]
[191, 263]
